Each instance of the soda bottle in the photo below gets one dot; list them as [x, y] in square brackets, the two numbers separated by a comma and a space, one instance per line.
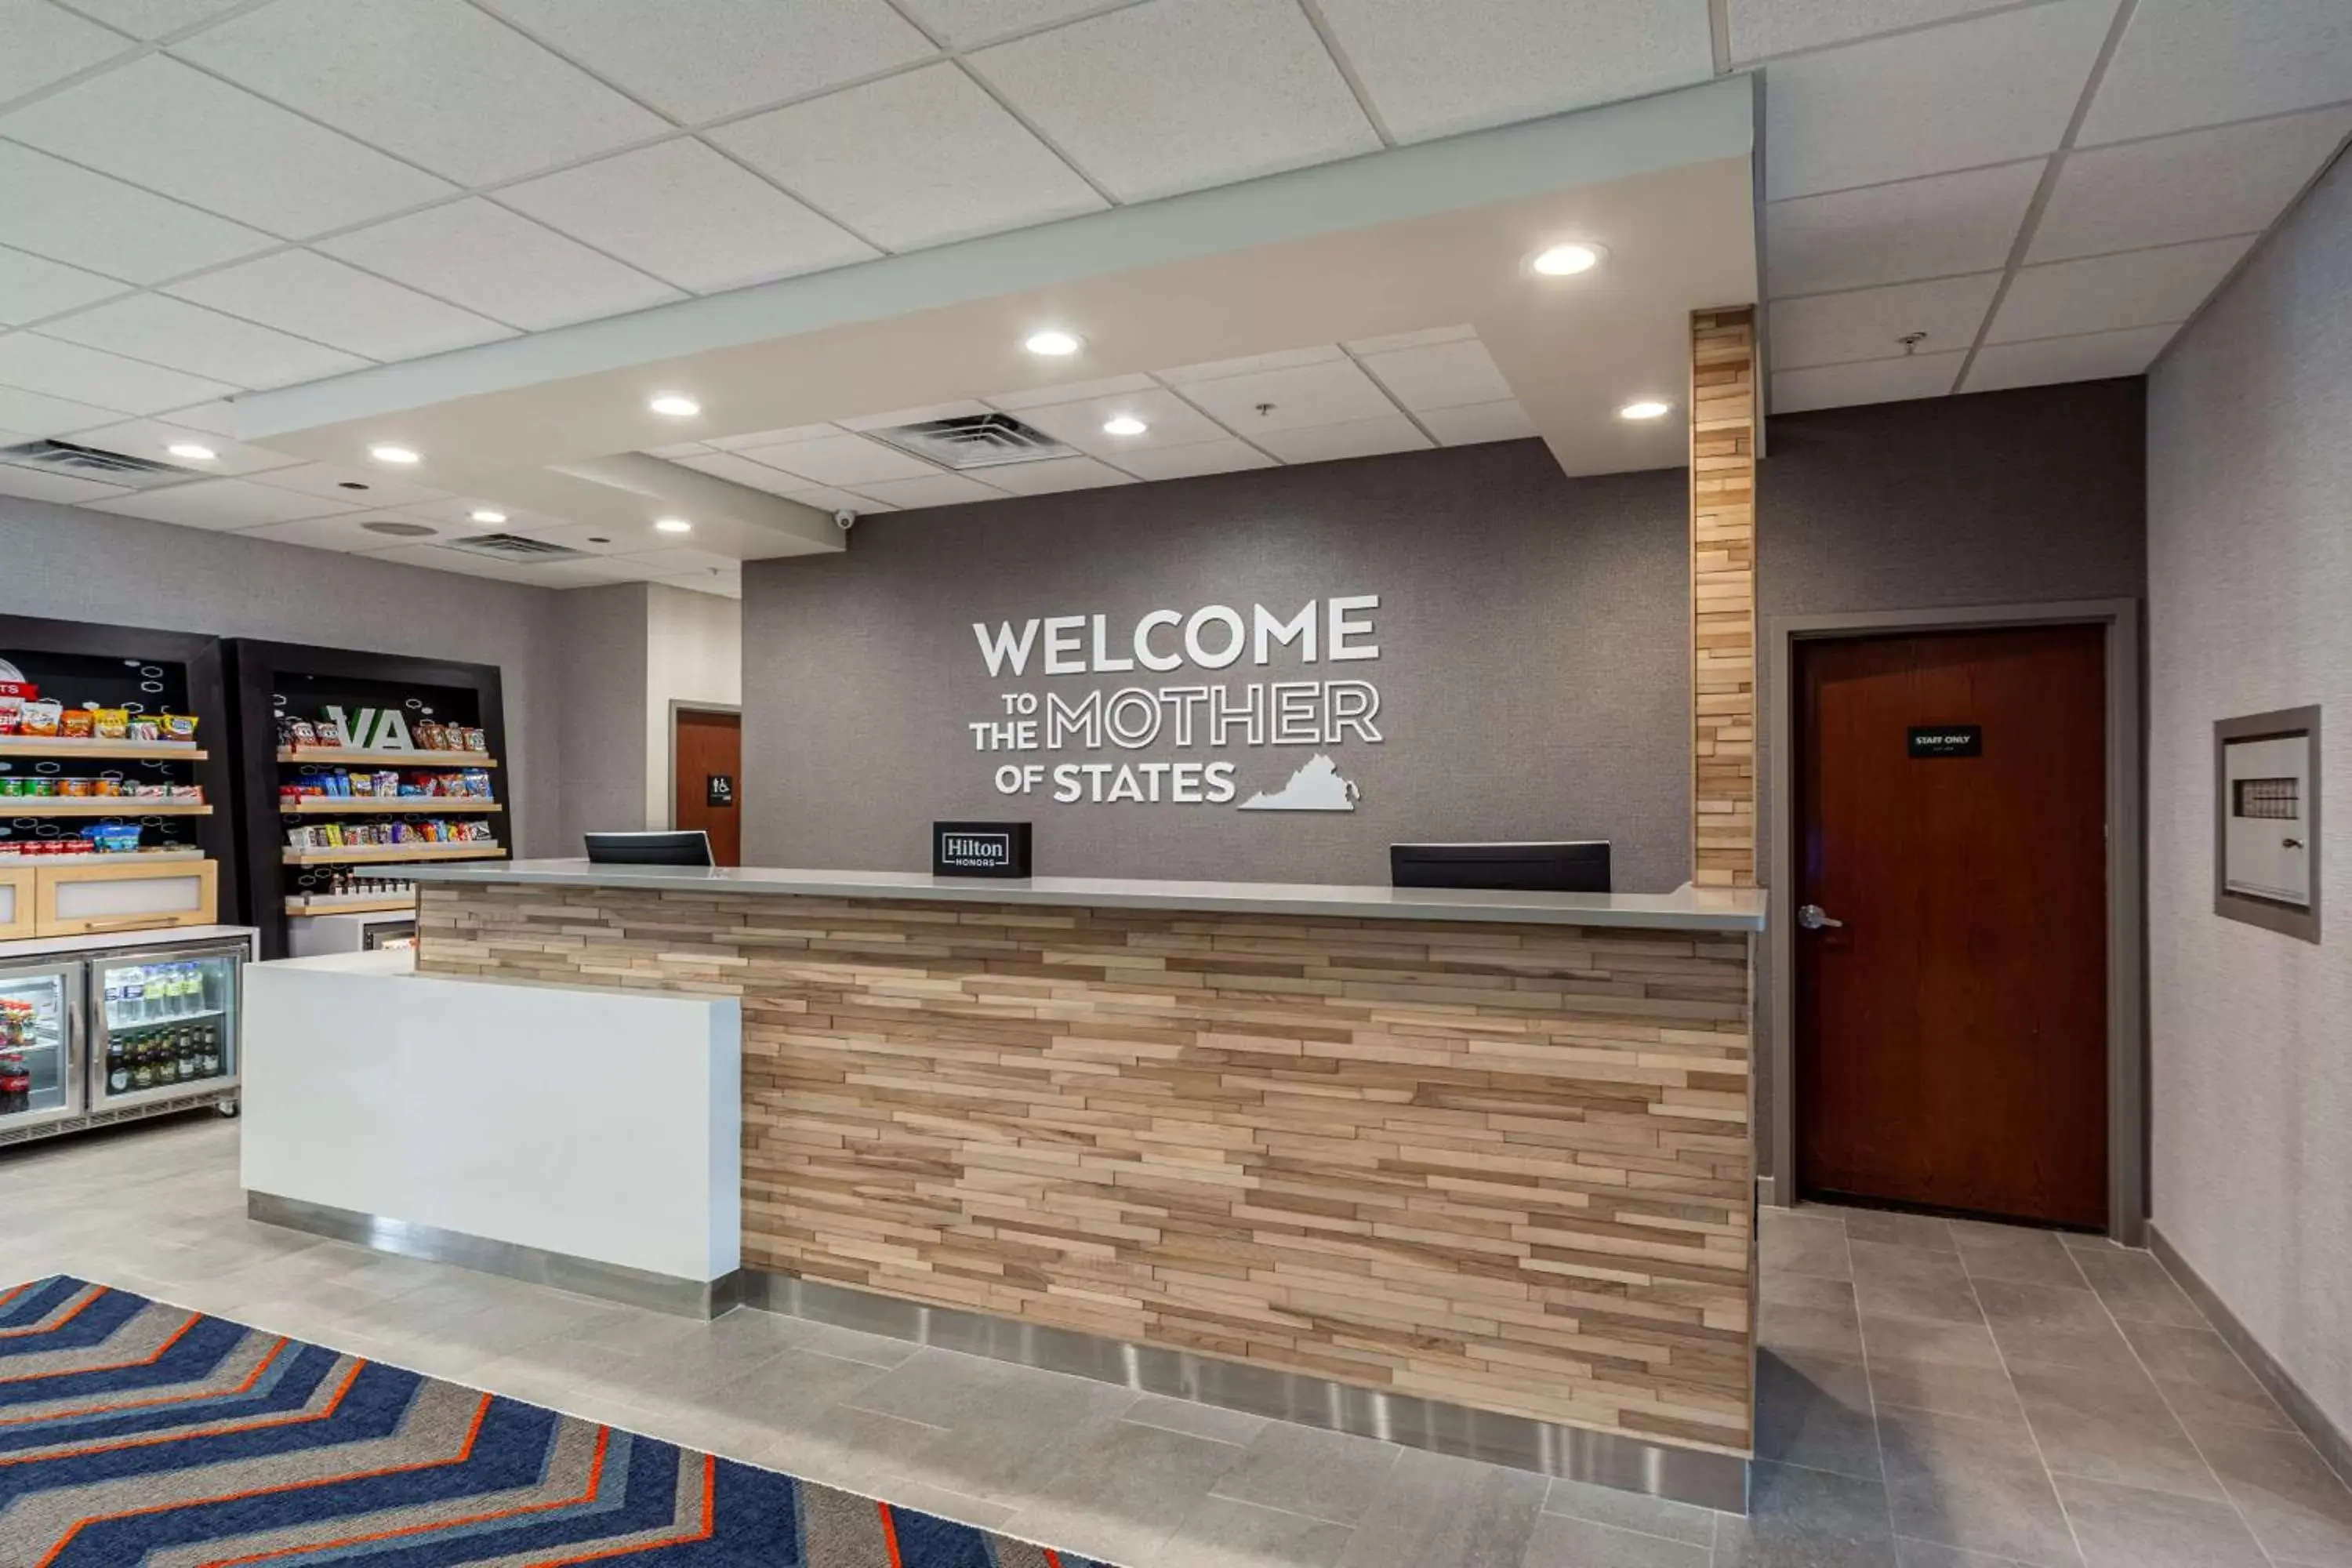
[134, 994]
[118, 1065]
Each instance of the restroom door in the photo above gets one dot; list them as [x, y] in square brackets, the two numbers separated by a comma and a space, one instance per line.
[1950, 1005]
[707, 780]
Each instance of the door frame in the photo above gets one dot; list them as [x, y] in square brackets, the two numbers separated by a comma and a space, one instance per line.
[678, 705]
[2127, 923]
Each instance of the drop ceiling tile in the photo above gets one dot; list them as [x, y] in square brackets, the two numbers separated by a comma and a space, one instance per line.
[32, 286]
[699, 59]
[1329, 394]
[1868, 324]
[439, 558]
[1942, 227]
[1227, 456]
[829, 499]
[1761, 27]
[341, 532]
[48, 44]
[1356, 438]
[1170, 421]
[1421, 339]
[377, 490]
[967, 409]
[1473, 423]
[1055, 475]
[2101, 293]
[773, 437]
[66, 489]
[435, 81]
[682, 449]
[45, 364]
[687, 215]
[202, 342]
[486, 259]
[966, 24]
[741, 470]
[2092, 357]
[719, 584]
[1440, 376]
[223, 503]
[1072, 391]
[312, 296]
[2199, 185]
[913, 160]
[1182, 94]
[73, 216]
[215, 417]
[150, 19]
[1968, 93]
[149, 438]
[677, 560]
[591, 538]
[2184, 63]
[1433, 70]
[939, 489]
[172, 129]
[35, 414]
[840, 460]
[1870, 381]
[457, 510]
[1217, 369]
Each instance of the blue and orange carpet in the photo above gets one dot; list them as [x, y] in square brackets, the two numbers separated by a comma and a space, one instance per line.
[134, 1432]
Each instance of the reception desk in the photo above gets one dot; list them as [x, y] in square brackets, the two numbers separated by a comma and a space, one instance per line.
[1472, 1170]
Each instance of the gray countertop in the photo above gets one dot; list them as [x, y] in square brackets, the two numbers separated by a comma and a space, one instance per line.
[1687, 909]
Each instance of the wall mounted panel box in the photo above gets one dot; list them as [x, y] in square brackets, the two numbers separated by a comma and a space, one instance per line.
[2266, 821]
[979, 849]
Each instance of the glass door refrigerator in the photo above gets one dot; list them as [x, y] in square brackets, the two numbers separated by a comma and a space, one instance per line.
[41, 1030]
[164, 1024]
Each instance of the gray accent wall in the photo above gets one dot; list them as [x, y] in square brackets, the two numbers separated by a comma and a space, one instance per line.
[602, 743]
[88, 566]
[1533, 671]
[2250, 610]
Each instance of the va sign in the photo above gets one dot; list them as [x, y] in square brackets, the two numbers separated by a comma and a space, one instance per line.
[1062, 735]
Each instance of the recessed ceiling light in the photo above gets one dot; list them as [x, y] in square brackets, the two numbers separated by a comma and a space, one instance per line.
[676, 405]
[1124, 424]
[1646, 408]
[1567, 260]
[1053, 342]
[673, 525]
[192, 451]
[488, 515]
[400, 455]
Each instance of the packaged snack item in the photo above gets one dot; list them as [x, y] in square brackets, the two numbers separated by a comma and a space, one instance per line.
[304, 736]
[475, 740]
[76, 723]
[11, 715]
[111, 725]
[178, 726]
[77, 787]
[146, 726]
[361, 784]
[330, 733]
[42, 716]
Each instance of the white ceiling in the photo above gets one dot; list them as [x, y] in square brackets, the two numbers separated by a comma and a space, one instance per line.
[200, 199]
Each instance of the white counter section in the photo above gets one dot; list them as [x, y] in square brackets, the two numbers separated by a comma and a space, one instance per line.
[593, 1124]
[1686, 909]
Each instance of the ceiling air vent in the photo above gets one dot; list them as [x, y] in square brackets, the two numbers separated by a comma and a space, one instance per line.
[514, 547]
[91, 463]
[975, 441]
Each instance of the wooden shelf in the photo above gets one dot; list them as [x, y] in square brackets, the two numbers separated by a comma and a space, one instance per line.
[58, 746]
[95, 806]
[371, 853]
[356, 804]
[384, 906]
[392, 759]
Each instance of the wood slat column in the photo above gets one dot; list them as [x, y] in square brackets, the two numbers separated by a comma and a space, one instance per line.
[1723, 597]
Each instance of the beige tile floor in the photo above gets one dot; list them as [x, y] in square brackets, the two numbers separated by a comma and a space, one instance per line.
[1934, 1395]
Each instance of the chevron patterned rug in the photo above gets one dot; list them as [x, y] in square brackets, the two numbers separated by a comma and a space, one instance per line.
[136, 1433]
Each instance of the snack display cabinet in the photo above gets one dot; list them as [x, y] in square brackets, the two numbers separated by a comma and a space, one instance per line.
[40, 1014]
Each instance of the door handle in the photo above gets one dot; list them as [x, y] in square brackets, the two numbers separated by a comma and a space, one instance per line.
[2291, 843]
[1813, 917]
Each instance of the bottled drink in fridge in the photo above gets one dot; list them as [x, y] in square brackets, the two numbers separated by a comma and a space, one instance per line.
[133, 995]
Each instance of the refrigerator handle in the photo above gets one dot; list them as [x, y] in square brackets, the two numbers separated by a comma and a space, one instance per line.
[80, 1072]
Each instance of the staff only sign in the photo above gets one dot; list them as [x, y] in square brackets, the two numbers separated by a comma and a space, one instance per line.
[1080, 727]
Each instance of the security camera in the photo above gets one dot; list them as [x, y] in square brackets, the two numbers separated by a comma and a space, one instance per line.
[845, 520]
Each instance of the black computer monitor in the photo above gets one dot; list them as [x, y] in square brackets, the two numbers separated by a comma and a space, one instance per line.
[1563, 866]
[686, 849]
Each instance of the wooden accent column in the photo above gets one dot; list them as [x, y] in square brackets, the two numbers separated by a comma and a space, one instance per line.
[1723, 597]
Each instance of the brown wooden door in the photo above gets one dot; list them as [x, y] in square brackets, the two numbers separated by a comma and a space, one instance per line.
[1951, 1033]
[709, 766]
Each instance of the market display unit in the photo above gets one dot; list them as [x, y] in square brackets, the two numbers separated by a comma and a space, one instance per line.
[114, 779]
[354, 765]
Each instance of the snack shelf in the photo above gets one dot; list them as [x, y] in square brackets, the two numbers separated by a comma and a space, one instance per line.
[355, 805]
[331, 906]
[373, 853]
[58, 746]
[391, 759]
[96, 805]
